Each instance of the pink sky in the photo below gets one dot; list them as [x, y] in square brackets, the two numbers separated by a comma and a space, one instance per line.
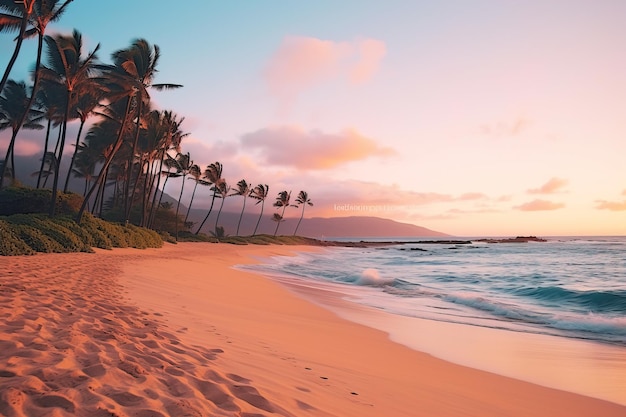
[470, 118]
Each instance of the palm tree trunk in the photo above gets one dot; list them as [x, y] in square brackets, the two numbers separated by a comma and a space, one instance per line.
[241, 215]
[30, 100]
[69, 171]
[276, 230]
[259, 221]
[217, 219]
[6, 159]
[55, 183]
[182, 187]
[45, 151]
[282, 217]
[301, 216]
[129, 203]
[18, 46]
[193, 194]
[207, 215]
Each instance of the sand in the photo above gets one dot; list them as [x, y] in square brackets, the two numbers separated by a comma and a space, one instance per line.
[178, 332]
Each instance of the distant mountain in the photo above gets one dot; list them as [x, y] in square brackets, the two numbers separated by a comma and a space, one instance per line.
[315, 227]
[361, 226]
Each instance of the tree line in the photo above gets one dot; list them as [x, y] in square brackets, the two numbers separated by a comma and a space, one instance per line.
[131, 150]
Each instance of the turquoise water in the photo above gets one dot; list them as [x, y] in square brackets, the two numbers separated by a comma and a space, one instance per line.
[568, 287]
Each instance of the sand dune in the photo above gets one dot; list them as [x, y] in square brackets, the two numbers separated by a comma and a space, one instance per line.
[178, 332]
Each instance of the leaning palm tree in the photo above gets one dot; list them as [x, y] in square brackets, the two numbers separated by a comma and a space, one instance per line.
[282, 200]
[303, 198]
[260, 193]
[15, 113]
[243, 189]
[196, 174]
[44, 12]
[137, 66]
[87, 99]
[184, 163]
[212, 175]
[51, 101]
[221, 189]
[68, 68]
[14, 15]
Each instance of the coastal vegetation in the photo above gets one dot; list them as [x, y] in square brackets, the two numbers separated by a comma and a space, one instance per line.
[124, 153]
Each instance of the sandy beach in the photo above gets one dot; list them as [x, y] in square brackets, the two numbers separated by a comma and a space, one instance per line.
[178, 332]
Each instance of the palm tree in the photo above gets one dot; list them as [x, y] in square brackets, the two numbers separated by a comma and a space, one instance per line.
[88, 98]
[15, 113]
[282, 200]
[50, 100]
[160, 134]
[137, 67]
[156, 152]
[67, 67]
[170, 163]
[259, 193]
[244, 190]
[221, 189]
[196, 174]
[14, 15]
[120, 126]
[278, 219]
[303, 198]
[184, 163]
[212, 175]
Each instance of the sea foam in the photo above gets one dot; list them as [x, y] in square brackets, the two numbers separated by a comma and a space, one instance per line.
[371, 276]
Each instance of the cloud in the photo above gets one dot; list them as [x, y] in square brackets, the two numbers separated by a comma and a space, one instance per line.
[472, 196]
[28, 142]
[553, 186]
[539, 205]
[293, 146]
[370, 54]
[611, 205]
[302, 62]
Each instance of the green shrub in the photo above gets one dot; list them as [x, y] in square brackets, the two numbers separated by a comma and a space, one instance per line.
[37, 241]
[24, 200]
[10, 243]
[142, 238]
[64, 236]
[29, 233]
[95, 228]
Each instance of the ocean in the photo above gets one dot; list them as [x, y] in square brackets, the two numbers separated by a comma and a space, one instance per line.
[567, 295]
[567, 286]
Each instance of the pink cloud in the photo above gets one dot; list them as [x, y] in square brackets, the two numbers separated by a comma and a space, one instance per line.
[554, 185]
[293, 146]
[25, 145]
[611, 205]
[540, 205]
[370, 54]
[302, 62]
[472, 196]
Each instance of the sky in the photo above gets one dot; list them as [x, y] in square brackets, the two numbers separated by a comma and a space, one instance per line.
[472, 118]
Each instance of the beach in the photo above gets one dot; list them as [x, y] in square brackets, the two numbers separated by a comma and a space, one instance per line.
[178, 331]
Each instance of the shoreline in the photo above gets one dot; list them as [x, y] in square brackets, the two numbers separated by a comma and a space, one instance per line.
[178, 329]
[581, 366]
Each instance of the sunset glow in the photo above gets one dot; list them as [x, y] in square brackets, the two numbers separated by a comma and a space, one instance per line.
[470, 118]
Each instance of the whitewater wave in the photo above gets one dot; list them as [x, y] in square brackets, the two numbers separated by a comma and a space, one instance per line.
[372, 277]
